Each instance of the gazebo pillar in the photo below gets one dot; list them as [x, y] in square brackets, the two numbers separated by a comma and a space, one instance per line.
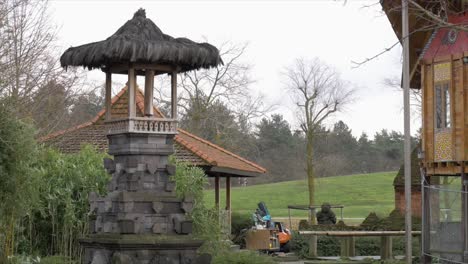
[228, 193]
[217, 191]
[131, 92]
[108, 95]
[174, 95]
[228, 204]
[149, 86]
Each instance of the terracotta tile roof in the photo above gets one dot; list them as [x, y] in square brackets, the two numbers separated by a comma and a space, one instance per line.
[188, 147]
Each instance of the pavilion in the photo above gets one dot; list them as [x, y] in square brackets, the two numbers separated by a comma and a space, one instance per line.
[216, 161]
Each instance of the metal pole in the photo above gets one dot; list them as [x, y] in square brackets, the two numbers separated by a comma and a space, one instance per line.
[407, 146]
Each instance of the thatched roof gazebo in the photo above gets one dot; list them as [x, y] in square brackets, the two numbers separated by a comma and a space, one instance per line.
[141, 219]
[141, 41]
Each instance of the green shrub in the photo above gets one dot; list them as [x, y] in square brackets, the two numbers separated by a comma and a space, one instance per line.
[190, 182]
[299, 245]
[18, 181]
[239, 224]
[328, 246]
[54, 226]
[57, 260]
[242, 257]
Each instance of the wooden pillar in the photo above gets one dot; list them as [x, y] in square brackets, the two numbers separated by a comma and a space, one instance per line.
[217, 192]
[313, 247]
[108, 95]
[348, 247]
[174, 95]
[386, 248]
[426, 218]
[149, 85]
[131, 92]
[228, 193]
[228, 205]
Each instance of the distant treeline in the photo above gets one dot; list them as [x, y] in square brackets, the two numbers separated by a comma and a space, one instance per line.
[272, 144]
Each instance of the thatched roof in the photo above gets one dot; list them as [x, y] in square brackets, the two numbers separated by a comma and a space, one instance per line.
[139, 40]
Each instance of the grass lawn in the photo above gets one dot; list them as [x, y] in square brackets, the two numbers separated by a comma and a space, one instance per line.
[360, 194]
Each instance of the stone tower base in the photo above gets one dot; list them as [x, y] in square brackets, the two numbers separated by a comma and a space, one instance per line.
[149, 249]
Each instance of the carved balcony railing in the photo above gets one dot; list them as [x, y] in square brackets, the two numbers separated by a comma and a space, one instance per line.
[147, 125]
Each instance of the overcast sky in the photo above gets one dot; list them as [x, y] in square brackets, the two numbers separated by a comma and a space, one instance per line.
[277, 33]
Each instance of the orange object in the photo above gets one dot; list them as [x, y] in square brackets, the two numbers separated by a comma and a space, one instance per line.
[284, 237]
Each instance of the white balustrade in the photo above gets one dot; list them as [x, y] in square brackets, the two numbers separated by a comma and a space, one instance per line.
[146, 125]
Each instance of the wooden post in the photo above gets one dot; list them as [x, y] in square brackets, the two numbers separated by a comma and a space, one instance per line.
[174, 95]
[108, 95]
[352, 246]
[347, 248]
[386, 248]
[217, 191]
[313, 247]
[131, 92]
[228, 193]
[228, 204]
[149, 85]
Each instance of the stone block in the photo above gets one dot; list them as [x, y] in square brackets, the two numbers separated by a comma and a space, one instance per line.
[92, 226]
[170, 186]
[122, 258]
[158, 207]
[152, 167]
[109, 165]
[119, 168]
[187, 207]
[107, 227]
[127, 226]
[171, 169]
[182, 226]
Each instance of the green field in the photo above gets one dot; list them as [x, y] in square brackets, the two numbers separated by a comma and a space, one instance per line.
[360, 194]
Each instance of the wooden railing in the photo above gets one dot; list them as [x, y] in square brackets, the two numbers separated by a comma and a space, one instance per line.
[348, 241]
[147, 125]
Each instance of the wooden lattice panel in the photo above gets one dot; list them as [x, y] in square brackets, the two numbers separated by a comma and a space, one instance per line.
[443, 146]
[442, 72]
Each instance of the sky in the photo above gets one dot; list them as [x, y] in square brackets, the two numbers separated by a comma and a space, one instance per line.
[277, 32]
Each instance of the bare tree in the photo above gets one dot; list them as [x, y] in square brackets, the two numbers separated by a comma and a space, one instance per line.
[319, 92]
[435, 14]
[229, 84]
[29, 70]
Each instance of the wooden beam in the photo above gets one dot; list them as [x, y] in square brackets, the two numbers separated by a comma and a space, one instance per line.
[174, 95]
[217, 191]
[228, 193]
[149, 85]
[138, 67]
[131, 92]
[234, 172]
[108, 95]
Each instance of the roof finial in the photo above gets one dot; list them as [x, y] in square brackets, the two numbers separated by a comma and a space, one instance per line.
[140, 13]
